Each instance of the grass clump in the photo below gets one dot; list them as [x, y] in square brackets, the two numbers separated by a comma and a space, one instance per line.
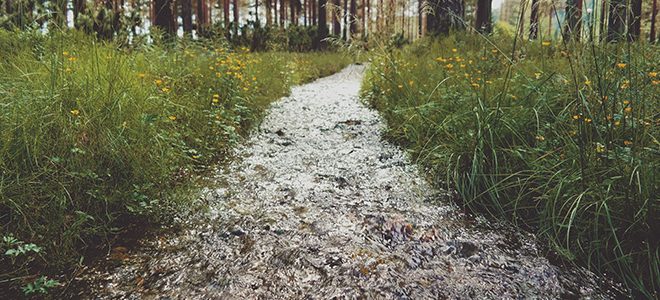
[560, 139]
[93, 135]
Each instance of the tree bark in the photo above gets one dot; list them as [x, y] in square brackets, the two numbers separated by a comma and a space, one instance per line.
[186, 16]
[336, 9]
[323, 27]
[616, 20]
[573, 29]
[634, 20]
[483, 22]
[447, 15]
[344, 33]
[164, 18]
[236, 19]
[534, 20]
[654, 12]
[351, 19]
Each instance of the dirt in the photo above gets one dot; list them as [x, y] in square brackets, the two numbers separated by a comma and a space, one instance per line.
[319, 206]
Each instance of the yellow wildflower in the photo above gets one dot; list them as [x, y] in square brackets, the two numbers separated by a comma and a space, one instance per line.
[158, 82]
[142, 75]
[75, 112]
[620, 65]
[627, 142]
[172, 118]
[545, 43]
[600, 148]
[540, 138]
[537, 75]
[165, 90]
[454, 50]
[653, 74]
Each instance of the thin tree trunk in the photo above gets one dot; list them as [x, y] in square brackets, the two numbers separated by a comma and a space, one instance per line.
[344, 34]
[534, 20]
[164, 18]
[616, 20]
[186, 16]
[351, 19]
[269, 12]
[314, 13]
[634, 20]
[336, 10]
[654, 12]
[574, 17]
[256, 11]
[236, 19]
[282, 13]
[323, 26]
[483, 22]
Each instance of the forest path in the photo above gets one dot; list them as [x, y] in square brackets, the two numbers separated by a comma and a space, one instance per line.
[319, 206]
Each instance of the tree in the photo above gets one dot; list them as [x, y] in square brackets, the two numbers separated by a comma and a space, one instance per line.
[235, 19]
[634, 20]
[351, 19]
[186, 16]
[654, 12]
[336, 29]
[534, 20]
[573, 26]
[446, 15]
[323, 27]
[483, 22]
[616, 20]
[164, 18]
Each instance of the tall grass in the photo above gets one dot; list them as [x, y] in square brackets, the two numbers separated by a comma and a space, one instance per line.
[93, 135]
[560, 139]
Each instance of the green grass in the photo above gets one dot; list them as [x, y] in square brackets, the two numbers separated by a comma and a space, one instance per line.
[558, 139]
[93, 135]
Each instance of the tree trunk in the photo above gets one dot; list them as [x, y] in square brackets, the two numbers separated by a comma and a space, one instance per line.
[344, 33]
[186, 16]
[164, 18]
[616, 20]
[573, 29]
[368, 19]
[282, 13]
[351, 19]
[269, 12]
[256, 12]
[78, 7]
[654, 12]
[447, 15]
[336, 10]
[483, 22]
[534, 20]
[420, 11]
[634, 20]
[323, 27]
[314, 13]
[236, 19]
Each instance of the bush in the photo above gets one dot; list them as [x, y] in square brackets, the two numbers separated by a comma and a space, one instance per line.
[561, 141]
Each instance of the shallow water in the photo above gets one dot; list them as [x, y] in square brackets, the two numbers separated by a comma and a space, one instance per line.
[319, 206]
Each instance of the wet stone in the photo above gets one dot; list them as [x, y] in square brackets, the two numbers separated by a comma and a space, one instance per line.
[318, 206]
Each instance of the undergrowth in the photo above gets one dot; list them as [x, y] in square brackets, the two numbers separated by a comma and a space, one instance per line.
[94, 135]
[559, 139]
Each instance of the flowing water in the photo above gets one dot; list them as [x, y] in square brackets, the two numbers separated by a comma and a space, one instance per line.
[317, 205]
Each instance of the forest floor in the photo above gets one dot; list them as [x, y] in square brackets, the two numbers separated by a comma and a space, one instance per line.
[317, 205]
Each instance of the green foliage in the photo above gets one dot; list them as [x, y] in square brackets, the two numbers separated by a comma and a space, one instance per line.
[561, 141]
[93, 135]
